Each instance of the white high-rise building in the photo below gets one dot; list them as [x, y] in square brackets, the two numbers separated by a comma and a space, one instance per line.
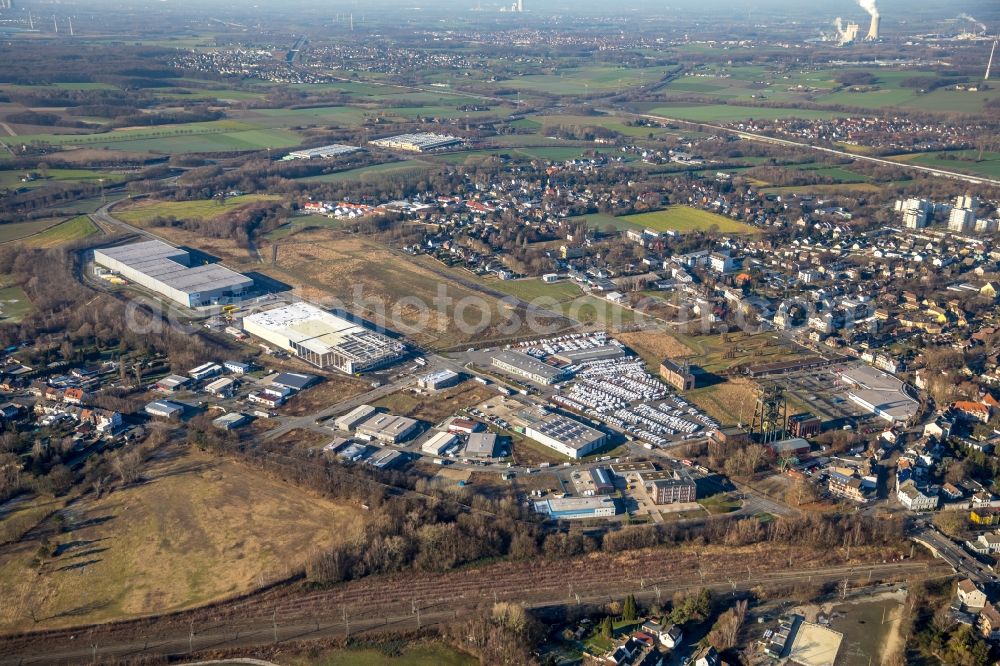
[986, 225]
[916, 212]
[961, 220]
[967, 202]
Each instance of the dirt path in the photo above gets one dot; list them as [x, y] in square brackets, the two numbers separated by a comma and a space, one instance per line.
[7, 128]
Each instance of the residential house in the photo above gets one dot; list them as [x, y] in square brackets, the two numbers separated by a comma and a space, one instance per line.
[970, 594]
[707, 657]
[989, 622]
[914, 499]
[669, 636]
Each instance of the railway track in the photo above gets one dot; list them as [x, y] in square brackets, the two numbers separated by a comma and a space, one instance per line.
[408, 601]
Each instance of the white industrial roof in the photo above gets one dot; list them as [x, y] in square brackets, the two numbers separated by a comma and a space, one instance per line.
[167, 264]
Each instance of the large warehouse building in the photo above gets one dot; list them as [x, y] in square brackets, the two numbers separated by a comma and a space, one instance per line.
[880, 393]
[420, 142]
[573, 508]
[323, 339]
[565, 435]
[167, 270]
[524, 365]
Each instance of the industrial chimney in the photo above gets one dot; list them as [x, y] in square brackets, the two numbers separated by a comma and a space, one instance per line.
[869, 6]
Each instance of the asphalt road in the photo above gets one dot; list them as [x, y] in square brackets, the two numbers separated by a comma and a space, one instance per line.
[177, 636]
[964, 563]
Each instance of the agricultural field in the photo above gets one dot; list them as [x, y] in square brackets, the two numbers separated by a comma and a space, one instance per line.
[405, 167]
[11, 179]
[685, 219]
[654, 346]
[18, 230]
[64, 233]
[967, 161]
[608, 122]
[142, 212]
[196, 530]
[746, 83]
[724, 113]
[581, 80]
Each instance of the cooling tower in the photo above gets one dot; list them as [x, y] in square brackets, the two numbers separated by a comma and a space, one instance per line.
[873, 29]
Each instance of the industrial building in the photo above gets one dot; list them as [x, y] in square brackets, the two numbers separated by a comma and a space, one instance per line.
[572, 508]
[167, 270]
[323, 339]
[333, 150]
[565, 435]
[438, 380]
[164, 409]
[420, 142]
[351, 419]
[387, 428]
[481, 445]
[439, 443]
[669, 487]
[231, 421]
[804, 425]
[678, 376]
[523, 365]
[880, 393]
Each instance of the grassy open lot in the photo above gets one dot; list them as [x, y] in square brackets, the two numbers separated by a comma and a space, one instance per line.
[14, 304]
[530, 289]
[73, 229]
[957, 160]
[654, 346]
[840, 188]
[413, 295]
[591, 309]
[608, 122]
[303, 223]
[685, 219]
[16, 230]
[435, 406]
[424, 654]
[196, 530]
[363, 173]
[140, 213]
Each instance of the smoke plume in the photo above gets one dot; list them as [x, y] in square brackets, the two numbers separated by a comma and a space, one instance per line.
[869, 6]
[972, 19]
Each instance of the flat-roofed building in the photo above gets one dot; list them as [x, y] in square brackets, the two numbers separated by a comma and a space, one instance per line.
[573, 508]
[880, 393]
[678, 376]
[670, 488]
[323, 339]
[351, 419]
[565, 435]
[439, 443]
[222, 387]
[164, 409]
[524, 365]
[322, 152]
[481, 445]
[440, 379]
[387, 428]
[418, 142]
[231, 421]
[167, 270]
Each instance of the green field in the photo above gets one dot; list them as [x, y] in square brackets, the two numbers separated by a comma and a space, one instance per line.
[14, 303]
[12, 178]
[16, 230]
[395, 168]
[214, 136]
[141, 213]
[533, 288]
[70, 231]
[583, 80]
[964, 160]
[686, 219]
[723, 113]
[303, 223]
